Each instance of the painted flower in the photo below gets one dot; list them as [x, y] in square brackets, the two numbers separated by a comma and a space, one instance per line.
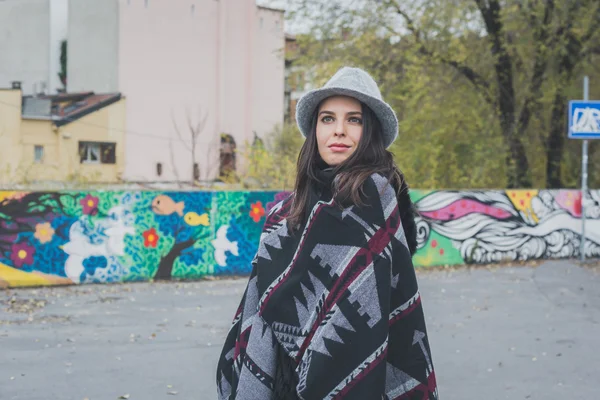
[90, 204]
[257, 211]
[151, 238]
[44, 232]
[22, 254]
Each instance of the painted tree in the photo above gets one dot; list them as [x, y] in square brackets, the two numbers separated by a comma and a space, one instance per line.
[182, 218]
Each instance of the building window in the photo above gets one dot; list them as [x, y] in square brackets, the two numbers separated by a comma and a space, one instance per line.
[38, 154]
[97, 153]
[159, 169]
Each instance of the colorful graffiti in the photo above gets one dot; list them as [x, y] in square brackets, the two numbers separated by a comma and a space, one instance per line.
[478, 227]
[49, 238]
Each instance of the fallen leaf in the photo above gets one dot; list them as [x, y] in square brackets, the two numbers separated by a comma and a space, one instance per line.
[125, 396]
[172, 393]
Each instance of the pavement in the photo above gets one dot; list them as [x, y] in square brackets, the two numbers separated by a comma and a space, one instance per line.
[496, 333]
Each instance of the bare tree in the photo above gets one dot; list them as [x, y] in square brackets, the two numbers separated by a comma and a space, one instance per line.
[174, 164]
[193, 131]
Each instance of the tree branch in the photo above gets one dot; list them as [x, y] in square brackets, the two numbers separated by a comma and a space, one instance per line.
[174, 164]
[470, 74]
[539, 68]
[485, 13]
[179, 133]
[202, 122]
[595, 50]
[587, 37]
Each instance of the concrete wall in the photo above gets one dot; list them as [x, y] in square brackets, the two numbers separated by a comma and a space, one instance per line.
[179, 61]
[31, 32]
[93, 35]
[268, 71]
[10, 126]
[168, 72]
[24, 42]
[119, 236]
[40, 132]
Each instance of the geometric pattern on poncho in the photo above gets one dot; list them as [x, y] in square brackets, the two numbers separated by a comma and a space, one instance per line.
[331, 311]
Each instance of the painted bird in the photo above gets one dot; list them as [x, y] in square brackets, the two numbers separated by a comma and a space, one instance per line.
[164, 205]
[222, 245]
[193, 219]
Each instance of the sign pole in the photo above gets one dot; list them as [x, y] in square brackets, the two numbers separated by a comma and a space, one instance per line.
[584, 174]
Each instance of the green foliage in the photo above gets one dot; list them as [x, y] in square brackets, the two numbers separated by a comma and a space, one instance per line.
[271, 164]
[63, 64]
[475, 99]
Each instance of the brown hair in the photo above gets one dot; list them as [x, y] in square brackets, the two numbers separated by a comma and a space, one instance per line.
[370, 157]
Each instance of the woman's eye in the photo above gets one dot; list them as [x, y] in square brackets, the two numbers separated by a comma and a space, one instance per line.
[356, 120]
[327, 119]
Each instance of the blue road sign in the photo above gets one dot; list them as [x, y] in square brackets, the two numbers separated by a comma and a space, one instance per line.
[584, 119]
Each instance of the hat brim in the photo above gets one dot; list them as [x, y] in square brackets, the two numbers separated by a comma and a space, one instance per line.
[307, 104]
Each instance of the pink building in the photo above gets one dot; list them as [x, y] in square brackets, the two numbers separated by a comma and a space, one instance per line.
[216, 64]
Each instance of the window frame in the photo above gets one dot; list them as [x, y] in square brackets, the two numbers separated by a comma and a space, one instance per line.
[99, 148]
[39, 160]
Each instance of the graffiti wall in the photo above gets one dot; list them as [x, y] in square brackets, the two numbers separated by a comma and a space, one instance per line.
[49, 238]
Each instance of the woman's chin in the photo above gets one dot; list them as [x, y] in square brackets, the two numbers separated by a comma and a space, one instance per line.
[333, 160]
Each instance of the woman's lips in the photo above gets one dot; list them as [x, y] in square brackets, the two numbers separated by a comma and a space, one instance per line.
[338, 148]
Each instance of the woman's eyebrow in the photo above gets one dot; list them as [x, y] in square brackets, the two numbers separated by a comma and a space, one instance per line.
[349, 113]
[327, 112]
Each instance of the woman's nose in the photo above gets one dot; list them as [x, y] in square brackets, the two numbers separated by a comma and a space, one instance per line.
[340, 129]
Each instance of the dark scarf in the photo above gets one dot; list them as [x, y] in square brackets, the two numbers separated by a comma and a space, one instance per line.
[333, 311]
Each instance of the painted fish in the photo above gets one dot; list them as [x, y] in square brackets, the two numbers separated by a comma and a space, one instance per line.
[193, 219]
[164, 205]
[222, 245]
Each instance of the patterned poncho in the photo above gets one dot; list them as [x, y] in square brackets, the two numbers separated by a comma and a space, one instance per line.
[332, 310]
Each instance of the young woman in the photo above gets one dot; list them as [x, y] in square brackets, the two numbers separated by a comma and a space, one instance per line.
[332, 308]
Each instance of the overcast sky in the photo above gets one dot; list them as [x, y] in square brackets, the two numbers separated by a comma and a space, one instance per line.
[296, 26]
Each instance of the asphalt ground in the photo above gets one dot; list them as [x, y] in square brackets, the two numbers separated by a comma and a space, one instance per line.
[510, 332]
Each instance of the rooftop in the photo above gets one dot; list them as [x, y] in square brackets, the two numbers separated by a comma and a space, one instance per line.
[271, 9]
[64, 108]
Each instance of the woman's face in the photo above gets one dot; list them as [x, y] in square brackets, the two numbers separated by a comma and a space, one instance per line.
[339, 128]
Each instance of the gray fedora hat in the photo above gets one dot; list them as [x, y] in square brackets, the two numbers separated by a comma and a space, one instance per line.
[352, 82]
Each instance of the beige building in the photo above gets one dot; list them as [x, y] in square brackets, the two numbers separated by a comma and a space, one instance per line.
[215, 66]
[59, 138]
